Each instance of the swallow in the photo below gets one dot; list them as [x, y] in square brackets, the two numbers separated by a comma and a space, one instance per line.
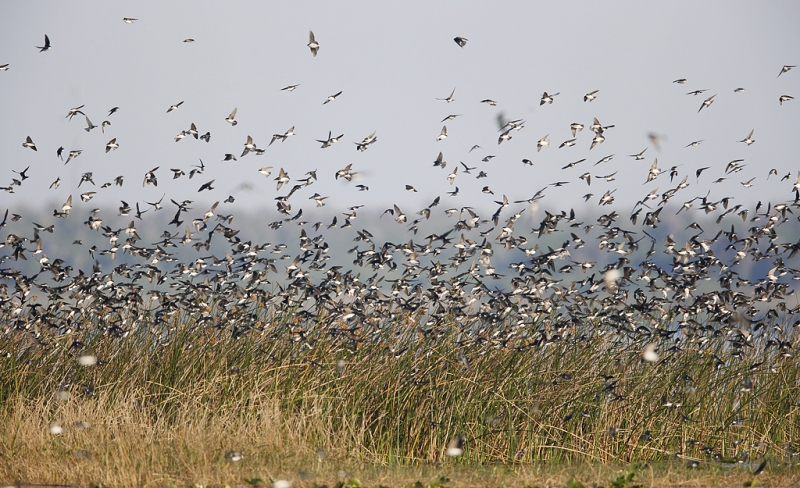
[738, 90]
[89, 125]
[230, 118]
[365, 143]
[283, 177]
[695, 143]
[785, 98]
[749, 139]
[174, 107]
[4, 67]
[74, 111]
[345, 173]
[598, 139]
[605, 159]
[312, 43]
[568, 143]
[229, 157]
[547, 98]
[73, 155]
[680, 81]
[331, 140]
[505, 136]
[452, 176]
[590, 96]
[188, 40]
[67, 206]
[112, 144]
[785, 69]
[103, 125]
[29, 143]
[129, 20]
[290, 87]
[488, 101]
[46, 46]
[206, 186]
[192, 131]
[443, 134]
[331, 97]
[597, 127]
[206, 137]
[248, 146]
[450, 98]
[638, 156]
[543, 142]
[461, 41]
[707, 102]
[411, 188]
[575, 127]
[22, 173]
[282, 137]
[150, 177]
[574, 163]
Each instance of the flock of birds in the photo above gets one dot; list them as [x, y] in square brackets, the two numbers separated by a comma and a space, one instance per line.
[663, 288]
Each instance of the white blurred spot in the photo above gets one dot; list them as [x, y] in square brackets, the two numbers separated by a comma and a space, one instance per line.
[87, 360]
[650, 355]
[282, 484]
[56, 429]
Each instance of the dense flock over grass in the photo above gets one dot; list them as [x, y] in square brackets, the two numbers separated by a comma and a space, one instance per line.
[516, 342]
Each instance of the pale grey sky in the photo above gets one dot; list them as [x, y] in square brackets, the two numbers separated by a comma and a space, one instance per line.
[392, 60]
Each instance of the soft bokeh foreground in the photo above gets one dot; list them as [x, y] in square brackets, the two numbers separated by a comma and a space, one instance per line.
[384, 404]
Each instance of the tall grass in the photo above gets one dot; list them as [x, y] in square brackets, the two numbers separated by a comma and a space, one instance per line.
[160, 404]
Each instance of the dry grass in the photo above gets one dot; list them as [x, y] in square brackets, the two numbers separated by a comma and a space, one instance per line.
[162, 409]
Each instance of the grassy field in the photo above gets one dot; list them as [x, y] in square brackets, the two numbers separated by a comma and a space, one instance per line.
[383, 405]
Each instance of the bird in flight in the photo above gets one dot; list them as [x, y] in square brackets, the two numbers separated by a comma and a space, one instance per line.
[112, 144]
[450, 98]
[749, 139]
[331, 97]
[707, 103]
[46, 46]
[72, 155]
[461, 41]
[29, 143]
[174, 107]
[543, 142]
[590, 96]
[638, 156]
[547, 98]
[129, 20]
[785, 69]
[231, 118]
[312, 43]
[89, 125]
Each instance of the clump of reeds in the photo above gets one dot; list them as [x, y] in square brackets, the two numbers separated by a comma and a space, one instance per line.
[160, 404]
